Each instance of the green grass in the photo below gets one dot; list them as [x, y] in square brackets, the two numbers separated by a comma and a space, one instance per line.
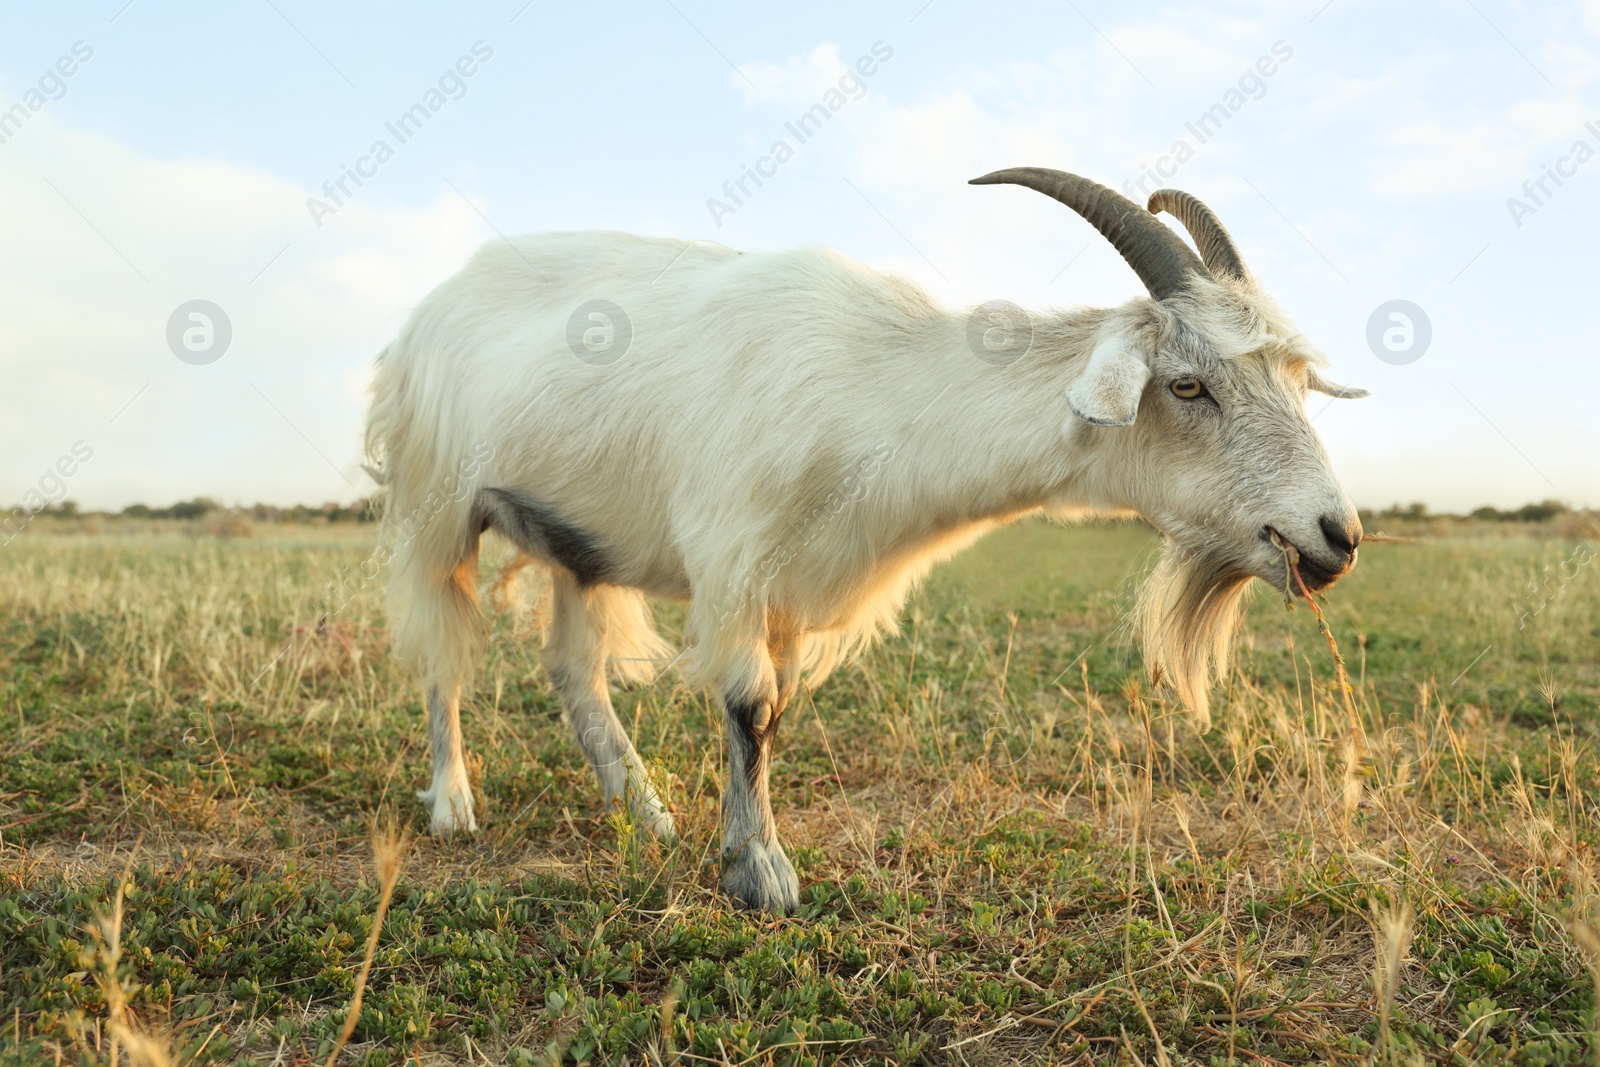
[1012, 850]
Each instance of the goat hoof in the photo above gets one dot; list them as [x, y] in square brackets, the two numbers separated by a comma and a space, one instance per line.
[761, 878]
[452, 811]
[660, 825]
[648, 813]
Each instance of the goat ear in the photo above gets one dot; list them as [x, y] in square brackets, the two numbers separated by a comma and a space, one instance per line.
[1320, 384]
[1107, 392]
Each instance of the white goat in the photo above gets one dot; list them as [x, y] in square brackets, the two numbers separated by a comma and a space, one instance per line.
[790, 440]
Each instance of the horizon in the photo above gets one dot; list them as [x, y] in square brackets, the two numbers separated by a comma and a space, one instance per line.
[69, 508]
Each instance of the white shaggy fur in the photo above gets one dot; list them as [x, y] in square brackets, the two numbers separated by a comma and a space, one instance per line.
[790, 442]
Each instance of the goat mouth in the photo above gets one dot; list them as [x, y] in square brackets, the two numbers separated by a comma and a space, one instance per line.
[1313, 576]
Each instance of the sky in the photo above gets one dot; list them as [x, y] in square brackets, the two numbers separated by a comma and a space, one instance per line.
[1443, 154]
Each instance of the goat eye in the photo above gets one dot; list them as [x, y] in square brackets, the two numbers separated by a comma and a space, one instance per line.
[1188, 388]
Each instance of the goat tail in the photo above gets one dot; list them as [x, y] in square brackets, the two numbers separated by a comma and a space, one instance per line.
[430, 474]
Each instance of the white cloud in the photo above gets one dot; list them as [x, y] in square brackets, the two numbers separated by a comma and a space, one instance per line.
[1434, 156]
[796, 81]
[81, 332]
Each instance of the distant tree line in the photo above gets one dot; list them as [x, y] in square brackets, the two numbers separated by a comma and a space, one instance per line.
[364, 511]
[1543, 511]
[201, 506]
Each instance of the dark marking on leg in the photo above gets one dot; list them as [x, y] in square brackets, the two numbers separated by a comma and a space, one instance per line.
[536, 529]
[755, 728]
[754, 867]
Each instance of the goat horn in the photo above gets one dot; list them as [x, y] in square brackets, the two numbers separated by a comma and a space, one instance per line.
[1216, 245]
[1157, 255]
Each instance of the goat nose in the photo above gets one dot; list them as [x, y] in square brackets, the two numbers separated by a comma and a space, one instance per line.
[1342, 535]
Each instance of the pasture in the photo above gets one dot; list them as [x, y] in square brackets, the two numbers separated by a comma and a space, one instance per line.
[1012, 849]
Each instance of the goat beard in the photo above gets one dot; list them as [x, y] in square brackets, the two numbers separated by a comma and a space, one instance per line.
[1188, 614]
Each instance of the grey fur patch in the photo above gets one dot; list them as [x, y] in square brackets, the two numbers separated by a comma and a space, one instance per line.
[536, 529]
